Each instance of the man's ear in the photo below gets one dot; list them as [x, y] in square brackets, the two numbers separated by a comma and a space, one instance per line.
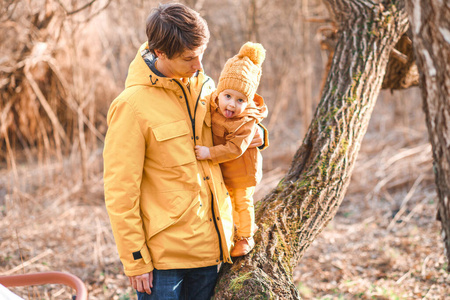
[159, 53]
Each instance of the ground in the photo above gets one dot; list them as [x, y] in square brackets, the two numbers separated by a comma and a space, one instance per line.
[384, 242]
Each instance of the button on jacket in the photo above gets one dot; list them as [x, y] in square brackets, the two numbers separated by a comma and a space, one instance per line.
[167, 210]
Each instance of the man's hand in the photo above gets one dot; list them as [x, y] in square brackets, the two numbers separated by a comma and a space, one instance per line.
[202, 152]
[143, 283]
[257, 138]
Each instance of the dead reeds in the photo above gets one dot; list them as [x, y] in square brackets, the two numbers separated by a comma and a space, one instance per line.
[50, 80]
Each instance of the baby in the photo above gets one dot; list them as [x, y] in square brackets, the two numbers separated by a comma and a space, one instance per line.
[235, 111]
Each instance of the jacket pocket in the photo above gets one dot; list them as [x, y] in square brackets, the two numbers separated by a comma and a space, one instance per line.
[161, 210]
[174, 145]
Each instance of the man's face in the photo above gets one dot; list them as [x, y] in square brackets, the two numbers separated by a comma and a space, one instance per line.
[184, 65]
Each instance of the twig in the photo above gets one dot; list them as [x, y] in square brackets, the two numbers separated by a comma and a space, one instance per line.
[418, 207]
[83, 147]
[91, 16]
[4, 133]
[64, 196]
[318, 20]
[406, 153]
[378, 187]
[69, 13]
[45, 104]
[76, 10]
[424, 265]
[405, 201]
[71, 102]
[429, 290]
[399, 56]
[28, 262]
[403, 277]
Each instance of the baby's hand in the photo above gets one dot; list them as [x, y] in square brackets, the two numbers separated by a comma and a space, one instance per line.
[202, 152]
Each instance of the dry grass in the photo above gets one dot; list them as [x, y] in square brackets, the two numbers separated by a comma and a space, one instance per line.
[384, 243]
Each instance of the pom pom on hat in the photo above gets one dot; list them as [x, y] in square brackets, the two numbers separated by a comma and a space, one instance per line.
[243, 71]
[255, 52]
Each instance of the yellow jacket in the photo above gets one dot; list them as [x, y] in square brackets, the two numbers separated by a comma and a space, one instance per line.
[241, 166]
[167, 210]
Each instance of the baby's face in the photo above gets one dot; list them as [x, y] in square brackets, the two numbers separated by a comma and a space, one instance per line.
[232, 103]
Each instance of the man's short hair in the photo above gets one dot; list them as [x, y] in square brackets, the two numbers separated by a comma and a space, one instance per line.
[173, 28]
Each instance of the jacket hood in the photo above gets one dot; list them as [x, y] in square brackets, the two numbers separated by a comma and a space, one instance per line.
[256, 108]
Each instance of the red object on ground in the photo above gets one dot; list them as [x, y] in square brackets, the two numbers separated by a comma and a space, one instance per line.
[47, 278]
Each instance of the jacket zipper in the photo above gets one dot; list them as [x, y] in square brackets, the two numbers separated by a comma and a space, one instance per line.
[217, 227]
[193, 130]
[196, 105]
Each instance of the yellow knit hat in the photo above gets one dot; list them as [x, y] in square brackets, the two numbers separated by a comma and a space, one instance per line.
[243, 71]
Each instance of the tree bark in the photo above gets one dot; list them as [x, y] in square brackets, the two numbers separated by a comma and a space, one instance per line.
[295, 212]
[430, 25]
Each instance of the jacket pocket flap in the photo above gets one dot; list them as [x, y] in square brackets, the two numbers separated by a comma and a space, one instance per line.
[172, 130]
[208, 119]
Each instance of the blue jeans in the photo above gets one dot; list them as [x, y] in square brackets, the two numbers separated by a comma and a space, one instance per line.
[186, 284]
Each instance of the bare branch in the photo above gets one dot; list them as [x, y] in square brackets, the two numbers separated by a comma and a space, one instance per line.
[76, 10]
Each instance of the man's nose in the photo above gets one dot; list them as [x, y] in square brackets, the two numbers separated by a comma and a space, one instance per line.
[198, 64]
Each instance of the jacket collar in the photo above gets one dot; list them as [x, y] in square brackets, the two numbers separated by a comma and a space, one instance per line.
[150, 60]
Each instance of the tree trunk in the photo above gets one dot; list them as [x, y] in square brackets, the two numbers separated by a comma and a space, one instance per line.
[292, 215]
[430, 25]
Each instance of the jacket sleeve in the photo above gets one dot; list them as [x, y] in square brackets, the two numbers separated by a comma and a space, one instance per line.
[235, 145]
[123, 157]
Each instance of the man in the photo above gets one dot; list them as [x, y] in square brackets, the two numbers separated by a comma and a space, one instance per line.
[170, 214]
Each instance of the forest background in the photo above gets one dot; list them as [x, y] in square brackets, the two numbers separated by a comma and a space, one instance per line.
[63, 62]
